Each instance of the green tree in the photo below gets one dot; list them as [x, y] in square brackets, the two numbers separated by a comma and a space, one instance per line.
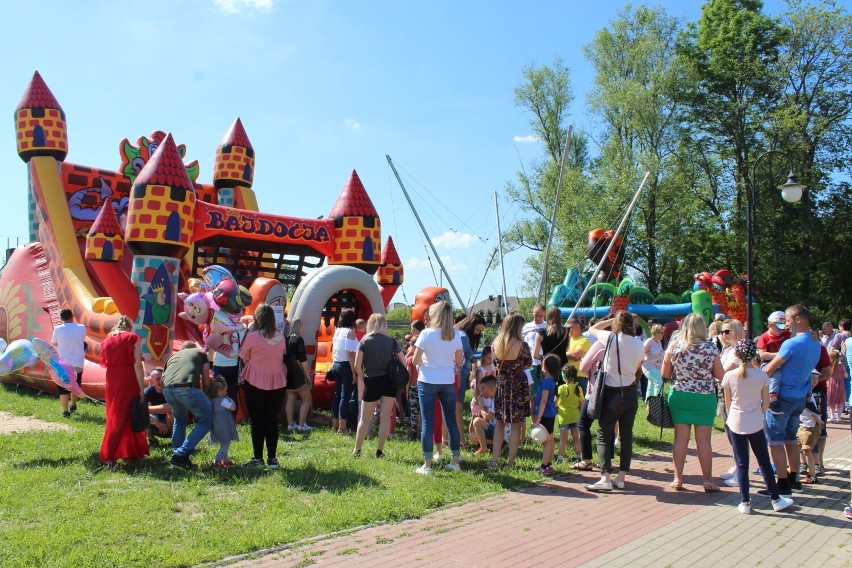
[546, 95]
[633, 59]
[401, 314]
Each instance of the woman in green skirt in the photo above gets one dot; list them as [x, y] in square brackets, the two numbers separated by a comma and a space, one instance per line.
[692, 363]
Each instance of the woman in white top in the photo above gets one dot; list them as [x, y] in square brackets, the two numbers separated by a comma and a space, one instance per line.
[747, 398]
[654, 361]
[344, 346]
[731, 331]
[621, 398]
[438, 355]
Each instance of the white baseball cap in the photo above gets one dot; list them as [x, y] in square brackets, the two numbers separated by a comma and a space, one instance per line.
[779, 319]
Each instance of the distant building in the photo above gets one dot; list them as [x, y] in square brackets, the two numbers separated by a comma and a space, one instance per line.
[395, 305]
[493, 303]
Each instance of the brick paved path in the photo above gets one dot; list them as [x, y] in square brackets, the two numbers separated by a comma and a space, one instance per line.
[558, 523]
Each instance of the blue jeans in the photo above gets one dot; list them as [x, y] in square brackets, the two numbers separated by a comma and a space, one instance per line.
[343, 388]
[757, 441]
[183, 401]
[427, 393]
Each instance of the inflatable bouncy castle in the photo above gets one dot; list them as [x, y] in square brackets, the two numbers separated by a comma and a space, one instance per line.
[719, 292]
[150, 242]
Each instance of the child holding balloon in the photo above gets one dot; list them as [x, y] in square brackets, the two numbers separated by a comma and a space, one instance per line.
[545, 405]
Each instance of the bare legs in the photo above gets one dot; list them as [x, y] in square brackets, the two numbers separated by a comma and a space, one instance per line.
[367, 410]
[514, 442]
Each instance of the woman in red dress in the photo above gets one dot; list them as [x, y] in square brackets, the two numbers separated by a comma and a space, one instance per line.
[121, 355]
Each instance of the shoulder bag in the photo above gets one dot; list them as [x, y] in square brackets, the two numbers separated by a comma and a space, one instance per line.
[139, 419]
[596, 397]
[658, 411]
[397, 371]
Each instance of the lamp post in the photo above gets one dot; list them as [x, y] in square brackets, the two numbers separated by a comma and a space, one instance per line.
[791, 192]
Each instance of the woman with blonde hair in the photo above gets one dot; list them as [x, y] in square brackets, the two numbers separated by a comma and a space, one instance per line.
[512, 357]
[371, 370]
[730, 332]
[694, 362]
[438, 355]
[653, 361]
[121, 355]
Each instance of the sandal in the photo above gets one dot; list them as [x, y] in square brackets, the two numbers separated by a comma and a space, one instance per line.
[710, 488]
[677, 485]
[492, 466]
[583, 466]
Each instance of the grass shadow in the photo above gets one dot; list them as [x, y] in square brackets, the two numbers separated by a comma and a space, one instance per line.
[311, 479]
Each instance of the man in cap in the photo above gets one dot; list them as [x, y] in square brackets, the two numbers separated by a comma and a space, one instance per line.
[795, 361]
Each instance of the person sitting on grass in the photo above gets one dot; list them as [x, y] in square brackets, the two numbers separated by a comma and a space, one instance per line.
[569, 399]
[545, 408]
[159, 412]
[482, 425]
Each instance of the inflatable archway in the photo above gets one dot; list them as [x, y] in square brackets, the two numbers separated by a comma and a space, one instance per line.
[316, 289]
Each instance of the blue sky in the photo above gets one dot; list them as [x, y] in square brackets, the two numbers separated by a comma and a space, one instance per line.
[322, 87]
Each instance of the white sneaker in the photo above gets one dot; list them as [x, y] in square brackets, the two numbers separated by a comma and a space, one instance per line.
[304, 428]
[732, 482]
[453, 466]
[618, 441]
[436, 456]
[600, 486]
[731, 473]
[423, 470]
[781, 504]
[744, 508]
[292, 426]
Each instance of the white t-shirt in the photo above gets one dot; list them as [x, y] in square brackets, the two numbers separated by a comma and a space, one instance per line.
[438, 364]
[529, 333]
[69, 339]
[342, 346]
[488, 406]
[729, 356]
[632, 351]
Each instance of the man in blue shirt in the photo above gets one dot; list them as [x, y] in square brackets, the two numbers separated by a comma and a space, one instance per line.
[795, 361]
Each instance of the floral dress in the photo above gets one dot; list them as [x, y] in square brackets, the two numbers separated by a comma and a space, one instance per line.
[510, 404]
[692, 368]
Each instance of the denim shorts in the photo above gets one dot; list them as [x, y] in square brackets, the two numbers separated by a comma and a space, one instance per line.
[571, 426]
[784, 428]
[489, 432]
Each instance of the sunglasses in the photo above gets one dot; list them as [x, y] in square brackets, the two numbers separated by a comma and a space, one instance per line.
[726, 331]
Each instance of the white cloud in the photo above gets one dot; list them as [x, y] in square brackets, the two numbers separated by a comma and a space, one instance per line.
[416, 263]
[525, 139]
[454, 239]
[236, 6]
[352, 123]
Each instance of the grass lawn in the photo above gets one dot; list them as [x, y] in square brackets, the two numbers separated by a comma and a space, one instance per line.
[60, 508]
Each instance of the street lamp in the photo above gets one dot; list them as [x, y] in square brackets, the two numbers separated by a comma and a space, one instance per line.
[791, 192]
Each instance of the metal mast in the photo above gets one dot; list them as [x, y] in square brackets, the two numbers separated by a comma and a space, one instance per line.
[505, 301]
[541, 288]
[425, 234]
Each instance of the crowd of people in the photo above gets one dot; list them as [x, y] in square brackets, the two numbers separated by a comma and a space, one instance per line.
[774, 395]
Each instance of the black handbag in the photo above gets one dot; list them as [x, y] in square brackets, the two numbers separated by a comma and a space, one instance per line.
[596, 397]
[139, 419]
[397, 371]
[659, 413]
